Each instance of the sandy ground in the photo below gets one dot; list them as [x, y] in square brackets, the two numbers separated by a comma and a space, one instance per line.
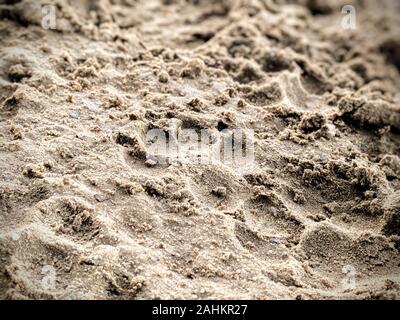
[84, 216]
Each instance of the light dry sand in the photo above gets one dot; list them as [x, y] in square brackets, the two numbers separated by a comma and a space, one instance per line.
[79, 205]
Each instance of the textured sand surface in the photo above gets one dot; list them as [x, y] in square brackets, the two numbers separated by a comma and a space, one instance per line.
[79, 203]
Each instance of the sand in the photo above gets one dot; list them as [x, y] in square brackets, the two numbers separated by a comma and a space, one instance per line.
[85, 215]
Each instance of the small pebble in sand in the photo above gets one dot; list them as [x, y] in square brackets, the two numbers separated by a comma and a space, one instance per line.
[150, 163]
[220, 192]
[163, 77]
